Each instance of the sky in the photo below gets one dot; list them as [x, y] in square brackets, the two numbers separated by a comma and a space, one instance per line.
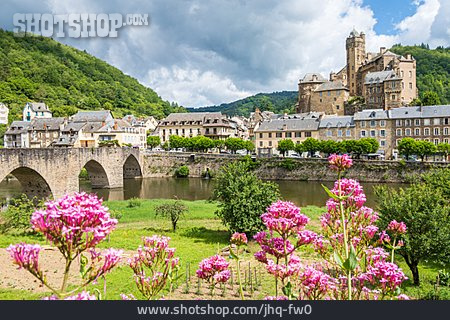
[199, 53]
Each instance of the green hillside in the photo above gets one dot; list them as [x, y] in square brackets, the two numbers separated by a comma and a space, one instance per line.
[277, 102]
[43, 70]
[433, 69]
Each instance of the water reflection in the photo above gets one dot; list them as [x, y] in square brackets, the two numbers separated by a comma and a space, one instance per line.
[302, 193]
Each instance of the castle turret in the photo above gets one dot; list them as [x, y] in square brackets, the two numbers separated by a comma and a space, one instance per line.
[355, 46]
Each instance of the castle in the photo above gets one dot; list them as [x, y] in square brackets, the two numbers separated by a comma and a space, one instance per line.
[385, 80]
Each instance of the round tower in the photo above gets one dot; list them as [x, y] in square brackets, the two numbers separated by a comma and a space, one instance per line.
[355, 46]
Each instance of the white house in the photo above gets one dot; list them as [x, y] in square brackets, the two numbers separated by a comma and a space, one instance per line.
[36, 110]
[4, 111]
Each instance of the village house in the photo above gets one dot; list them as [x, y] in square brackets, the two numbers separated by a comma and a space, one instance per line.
[43, 132]
[375, 124]
[4, 112]
[17, 135]
[36, 110]
[337, 128]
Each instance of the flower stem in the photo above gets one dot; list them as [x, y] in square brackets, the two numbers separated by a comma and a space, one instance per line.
[344, 231]
[393, 250]
[66, 274]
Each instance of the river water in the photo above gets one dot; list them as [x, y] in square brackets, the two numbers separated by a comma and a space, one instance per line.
[302, 193]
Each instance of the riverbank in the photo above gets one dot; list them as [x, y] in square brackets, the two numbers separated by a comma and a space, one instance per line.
[303, 169]
[200, 234]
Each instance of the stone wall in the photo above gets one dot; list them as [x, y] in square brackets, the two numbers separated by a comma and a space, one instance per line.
[164, 165]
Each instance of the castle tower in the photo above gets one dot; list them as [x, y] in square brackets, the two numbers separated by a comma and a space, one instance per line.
[355, 46]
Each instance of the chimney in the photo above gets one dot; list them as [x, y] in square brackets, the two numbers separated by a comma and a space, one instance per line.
[332, 76]
[284, 126]
[408, 56]
[115, 125]
[382, 50]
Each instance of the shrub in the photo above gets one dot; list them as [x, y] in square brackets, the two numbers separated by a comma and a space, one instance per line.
[134, 203]
[18, 213]
[182, 172]
[287, 164]
[173, 211]
[242, 197]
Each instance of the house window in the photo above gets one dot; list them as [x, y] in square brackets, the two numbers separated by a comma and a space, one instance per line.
[382, 123]
[393, 97]
[398, 123]
[363, 124]
[446, 121]
[320, 94]
[445, 140]
[348, 133]
[446, 131]
[373, 133]
[417, 132]
[363, 133]
[328, 93]
[339, 133]
[260, 143]
[373, 123]
[436, 141]
[436, 131]
[410, 85]
[383, 143]
[383, 133]
[426, 131]
[288, 134]
[417, 122]
[279, 134]
[407, 132]
[399, 132]
[426, 122]
[410, 74]
[329, 133]
[407, 123]
[270, 143]
[298, 134]
[270, 134]
[260, 135]
[320, 100]
[436, 121]
[308, 134]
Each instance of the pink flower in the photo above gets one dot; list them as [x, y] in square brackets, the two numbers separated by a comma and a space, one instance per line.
[282, 271]
[26, 256]
[103, 262]
[261, 256]
[384, 237]
[386, 276]
[306, 237]
[340, 163]
[74, 222]
[239, 239]
[214, 269]
[403, 297]
[350, 188]
[284, 217]
[315, 283]
[82, 296]
[275, 298]
[397, 228]
[127, 297]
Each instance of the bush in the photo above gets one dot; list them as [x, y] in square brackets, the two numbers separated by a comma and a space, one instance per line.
[182, 172]
[287, 164]
[134, 203]
[173, 211]
[18, 213]
[242, 197]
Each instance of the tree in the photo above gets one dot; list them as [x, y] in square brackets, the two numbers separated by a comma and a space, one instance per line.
[444, 148]
[249, 146]
[311, 145]
[373, 145]
[219, 144]
[234, 144]
[242, 197]
[329, 147]
[285, 145]
[425, 212]
[173, 211]
[407, 147]
[430, 98]
[177, 142]
[299, 148]
[153, 141]
[424, 149]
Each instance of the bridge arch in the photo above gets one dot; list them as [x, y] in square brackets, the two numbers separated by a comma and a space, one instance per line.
[97, 174]
[32, 182]
[131, 168]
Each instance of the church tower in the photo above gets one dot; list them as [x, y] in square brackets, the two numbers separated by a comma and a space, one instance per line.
[355, 46]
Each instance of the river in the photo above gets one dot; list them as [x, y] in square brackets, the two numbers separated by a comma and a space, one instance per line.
[302, 193]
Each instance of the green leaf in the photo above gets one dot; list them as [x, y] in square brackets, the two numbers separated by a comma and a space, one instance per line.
[338, 259]
[352, 262]
[287, 290]
[233, 255]
[83, 264]
[330, 194]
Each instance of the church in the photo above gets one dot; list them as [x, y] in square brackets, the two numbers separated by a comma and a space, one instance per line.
[382, 80]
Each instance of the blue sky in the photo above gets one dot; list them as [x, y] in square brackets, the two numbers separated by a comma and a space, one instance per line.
[389, 13]
[198, 52]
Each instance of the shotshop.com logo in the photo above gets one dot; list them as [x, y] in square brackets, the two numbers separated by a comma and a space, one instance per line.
[76, 25]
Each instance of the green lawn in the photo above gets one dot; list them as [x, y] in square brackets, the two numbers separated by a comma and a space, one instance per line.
[200, 234]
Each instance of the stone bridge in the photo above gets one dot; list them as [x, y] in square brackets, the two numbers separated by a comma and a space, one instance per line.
[54, 172]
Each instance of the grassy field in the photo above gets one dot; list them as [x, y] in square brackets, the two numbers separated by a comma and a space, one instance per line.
[200, 234]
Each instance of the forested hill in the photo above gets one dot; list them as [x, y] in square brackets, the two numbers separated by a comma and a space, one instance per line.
[433, 69]
[277, 102]
[43, 70]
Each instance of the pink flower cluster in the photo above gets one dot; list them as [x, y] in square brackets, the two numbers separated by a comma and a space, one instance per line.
[386, 276]
[74, 222]
[26, 256]
[284, 217]
[153, 264]
[340, 163]
[315, 284]
[84, 295]
[397, 228]
[239, 239]
[350, 188]
[282, 271]
[103, 262]
[214, 269]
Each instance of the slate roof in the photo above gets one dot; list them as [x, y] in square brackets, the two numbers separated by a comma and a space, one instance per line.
[371, 114]
[18, 127]
[379, 77]
[336, 122]
[331, 85]
[38, 106]
[313, 77]
[50, 124]
[441, 111]
[92, 116]
[303, 124]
